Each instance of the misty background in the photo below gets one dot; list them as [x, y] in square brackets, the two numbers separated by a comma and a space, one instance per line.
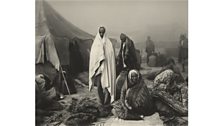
[163, 20]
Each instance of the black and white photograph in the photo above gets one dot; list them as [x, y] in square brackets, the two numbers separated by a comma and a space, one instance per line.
[111, 63]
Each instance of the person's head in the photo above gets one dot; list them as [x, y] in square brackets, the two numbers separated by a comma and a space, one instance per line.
[123, 37]
[133, 77]
[40, 78]
[182, 37]
[148, 37]
[102, 31]
[170, 61]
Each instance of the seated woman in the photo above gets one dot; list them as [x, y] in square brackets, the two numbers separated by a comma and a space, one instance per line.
[135, 101]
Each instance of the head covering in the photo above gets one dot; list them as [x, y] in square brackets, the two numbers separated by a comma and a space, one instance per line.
[123, 36]
[39, 78]
[132, 72]
[129, 82]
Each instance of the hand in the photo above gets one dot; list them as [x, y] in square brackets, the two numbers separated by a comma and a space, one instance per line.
[141, 116]
[90, 88]
[128, 106]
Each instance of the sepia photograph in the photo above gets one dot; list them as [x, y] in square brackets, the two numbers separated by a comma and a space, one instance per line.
[111, 62]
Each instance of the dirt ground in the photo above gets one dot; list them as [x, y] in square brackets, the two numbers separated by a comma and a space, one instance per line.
[83, 92]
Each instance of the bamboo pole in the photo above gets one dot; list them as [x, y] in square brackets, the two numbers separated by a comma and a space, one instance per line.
[66, 84]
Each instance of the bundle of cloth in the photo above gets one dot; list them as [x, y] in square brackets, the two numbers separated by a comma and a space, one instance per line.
[171, 84]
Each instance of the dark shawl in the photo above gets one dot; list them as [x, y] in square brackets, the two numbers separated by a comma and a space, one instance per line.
[138, 97]
[130, 57]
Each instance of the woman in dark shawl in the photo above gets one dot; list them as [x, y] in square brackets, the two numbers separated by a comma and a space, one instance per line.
[135, 101]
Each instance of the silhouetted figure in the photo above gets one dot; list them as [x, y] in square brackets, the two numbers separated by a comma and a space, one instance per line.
[150, 48]
[183, 51]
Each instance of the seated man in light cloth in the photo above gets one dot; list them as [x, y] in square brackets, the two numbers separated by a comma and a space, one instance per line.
[102, 70]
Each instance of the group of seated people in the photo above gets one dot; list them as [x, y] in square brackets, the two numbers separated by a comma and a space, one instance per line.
[168, 95]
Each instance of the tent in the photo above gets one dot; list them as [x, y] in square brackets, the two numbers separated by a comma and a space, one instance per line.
[67, 45]
[46, 59]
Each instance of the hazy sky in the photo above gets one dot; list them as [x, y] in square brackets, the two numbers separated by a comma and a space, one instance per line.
[154, 17]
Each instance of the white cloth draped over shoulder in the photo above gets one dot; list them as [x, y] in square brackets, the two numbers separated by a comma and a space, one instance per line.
[102, 61]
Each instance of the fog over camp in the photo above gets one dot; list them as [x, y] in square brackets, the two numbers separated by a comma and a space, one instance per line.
[111, 62]
[163, 20]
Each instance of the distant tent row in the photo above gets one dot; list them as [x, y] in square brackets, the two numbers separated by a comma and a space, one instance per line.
[59, 43]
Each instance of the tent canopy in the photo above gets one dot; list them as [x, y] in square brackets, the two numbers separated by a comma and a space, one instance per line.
[58, 34]
[71, 43]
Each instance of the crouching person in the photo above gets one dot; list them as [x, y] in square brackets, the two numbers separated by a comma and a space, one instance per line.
[45, 94]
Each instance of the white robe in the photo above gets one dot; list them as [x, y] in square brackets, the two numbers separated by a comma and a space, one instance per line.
[102, 60]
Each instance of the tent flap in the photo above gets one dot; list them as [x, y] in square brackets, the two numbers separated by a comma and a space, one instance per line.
[47, 51]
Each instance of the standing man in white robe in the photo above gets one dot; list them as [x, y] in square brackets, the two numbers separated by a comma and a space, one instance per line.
[102, 70]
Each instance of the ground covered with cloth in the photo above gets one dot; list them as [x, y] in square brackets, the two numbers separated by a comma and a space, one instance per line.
[83, 108]
[153, 120]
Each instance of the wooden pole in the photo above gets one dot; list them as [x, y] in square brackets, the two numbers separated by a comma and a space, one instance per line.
[66, 84]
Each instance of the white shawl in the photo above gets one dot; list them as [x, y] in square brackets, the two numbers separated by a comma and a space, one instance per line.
[102, 60]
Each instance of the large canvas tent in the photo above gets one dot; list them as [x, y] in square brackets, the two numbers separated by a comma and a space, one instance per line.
[64, 41]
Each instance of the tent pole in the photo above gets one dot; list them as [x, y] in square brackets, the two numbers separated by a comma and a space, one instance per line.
[66, 84]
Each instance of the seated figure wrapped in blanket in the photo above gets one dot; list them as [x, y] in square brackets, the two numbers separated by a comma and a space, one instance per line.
[135, 101]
